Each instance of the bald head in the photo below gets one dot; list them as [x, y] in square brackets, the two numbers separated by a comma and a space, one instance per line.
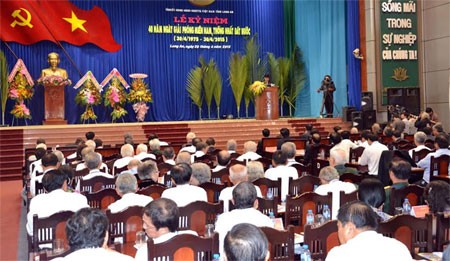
[183, 157]
[250, 146]
[238, 174]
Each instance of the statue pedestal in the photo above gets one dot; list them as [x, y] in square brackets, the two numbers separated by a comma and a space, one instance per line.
[54, 105]
[267, 104]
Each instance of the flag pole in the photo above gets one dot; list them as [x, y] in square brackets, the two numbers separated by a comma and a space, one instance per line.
[9, 48]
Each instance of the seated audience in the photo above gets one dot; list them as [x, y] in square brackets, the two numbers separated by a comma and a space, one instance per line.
[246, 211]
[201, 173]
[132, 166]
[168, 156]
[315, 142]
[160, 222]
[128, 139]
[126, 187]
[246, 242]
[148, 174]
[308, 132]
[259, 148]
[281, 170]
[80, 164]
[290, 150]
[48, 162]
[36, 166]
[364, 139]
[223, 158]
[200, 150]
[357, 225]
[183, 193]
[152, 136]
[142, 153]
[93, 161]
[329, 178]
[429, 132]
[284, 133]
[87, 233]
[55, 200]
[249, 152]
[371, 155]
[437, 196]
[437, 129]
[398, 124]
[211, 143]
[183, 157]
[441, 145]
[338, 160]
[127, 152]
[255, 170]
[231, 146]
[238, 174]
[155, 147]
[423, 121]
[189, 147]
[371, 191]
[419, 140]
[399, 173]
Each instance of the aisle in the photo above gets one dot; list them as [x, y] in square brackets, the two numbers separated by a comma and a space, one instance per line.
[10, 208]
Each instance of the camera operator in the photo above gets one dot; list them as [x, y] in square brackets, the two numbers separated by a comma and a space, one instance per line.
[328, 89]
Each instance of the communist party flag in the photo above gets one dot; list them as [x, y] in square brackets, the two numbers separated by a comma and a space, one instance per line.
[28, 22]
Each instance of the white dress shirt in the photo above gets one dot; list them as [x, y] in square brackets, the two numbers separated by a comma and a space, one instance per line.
[96, 254]
[345, 145]
[227, 194]
[371, 156]
[185, 194]
[144, 155]
[370, 246]
[283, 172]
[335, 186]
[120, 163]
[218, 168]
[191, 149]
[418, 148]
[58, 200]
[129, 200]
[425, 163]
[227, 221]
[249, 156]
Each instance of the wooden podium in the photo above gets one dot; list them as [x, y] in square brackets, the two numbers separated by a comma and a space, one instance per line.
[267, 104]
[54, 105]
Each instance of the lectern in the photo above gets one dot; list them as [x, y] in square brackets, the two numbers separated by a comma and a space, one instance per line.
[267, 104]
[54, 105]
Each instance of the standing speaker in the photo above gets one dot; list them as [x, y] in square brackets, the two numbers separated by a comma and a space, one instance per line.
[406, 97]
[366, 101]
[357, 120]
[369, 118]
[347, 113]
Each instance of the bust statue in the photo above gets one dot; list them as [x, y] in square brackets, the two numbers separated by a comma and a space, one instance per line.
[54, 70]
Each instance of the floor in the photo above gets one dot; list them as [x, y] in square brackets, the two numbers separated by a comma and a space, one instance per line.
[10, 220]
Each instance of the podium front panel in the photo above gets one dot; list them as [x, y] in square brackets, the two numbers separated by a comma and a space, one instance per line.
[54, 102]
[267, 104]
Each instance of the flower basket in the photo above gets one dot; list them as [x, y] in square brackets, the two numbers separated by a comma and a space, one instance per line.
[54, 81]
[139, 95]
[257, 88]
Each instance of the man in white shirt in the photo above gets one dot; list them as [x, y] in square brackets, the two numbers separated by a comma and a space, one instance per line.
[223, 158]
[372, 154]
[183, 157]
[419, 139]
[249, 152]
[281, 170]
[342, 144]
[56, 200]
[189, 147]
[200, 150]
[127, 152]
[238, 174]
[126, 187]
[48, 162]
[87, 233]
[290, 150]
[231, 146]
[93, 161]
[329, 178]
[183, 193]
[357, 224]
[246, 203]
[160, 222]
[142, 152]
[441, 146]
[168, 156]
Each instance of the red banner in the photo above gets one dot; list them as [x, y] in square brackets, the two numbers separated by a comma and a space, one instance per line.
[28, 22]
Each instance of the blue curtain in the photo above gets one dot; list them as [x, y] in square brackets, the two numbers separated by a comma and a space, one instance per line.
[321, 34]
[150, 53]
[354, 65]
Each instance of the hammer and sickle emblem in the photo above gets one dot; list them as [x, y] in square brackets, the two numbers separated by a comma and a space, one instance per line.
[22, 20]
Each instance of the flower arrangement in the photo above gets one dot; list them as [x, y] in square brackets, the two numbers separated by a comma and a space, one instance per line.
[88, 96]
[115, 97]
[139, 95]
[20, 90]
[54, 81]
[21, 111]
[257, 88]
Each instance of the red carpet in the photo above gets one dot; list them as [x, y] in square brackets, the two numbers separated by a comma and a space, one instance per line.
[10, 206]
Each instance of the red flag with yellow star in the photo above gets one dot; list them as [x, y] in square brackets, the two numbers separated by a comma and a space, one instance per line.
[58, 20]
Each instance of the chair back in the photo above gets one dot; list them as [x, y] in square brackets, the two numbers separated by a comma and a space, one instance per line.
[212, 191]
[196, 215]
[221, 177]
[38, 188]
[207, 159]
[125, 224]
[347, 197]
[411, 231]
[439, 165]
[153, 191]
[356, 153]
[45, 230]
[80, 174]
[441, 177]
[321, 239]
[442, 231]
[429, 144]
[266, 185]
[164, 168]
[184, 247]
[297, 207]
[266, 162]
[405, 146]
[102, 199]
[302, 169]
[413, 193]
[420, 154]
[306, 183]
[97, 183]
[351, 177]
[317, 165]
[116, 171]
[281, 243]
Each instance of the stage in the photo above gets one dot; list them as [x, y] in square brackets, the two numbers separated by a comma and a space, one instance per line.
[14, 140]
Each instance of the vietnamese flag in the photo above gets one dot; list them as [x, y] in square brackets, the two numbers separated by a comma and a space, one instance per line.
[63, 21]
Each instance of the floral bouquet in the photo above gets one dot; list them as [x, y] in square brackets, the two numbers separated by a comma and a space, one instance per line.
[115, 97]
[21, 111]
[88, 96]
[257, 88]
[19, 89]
[139, 95]
[54, 81]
